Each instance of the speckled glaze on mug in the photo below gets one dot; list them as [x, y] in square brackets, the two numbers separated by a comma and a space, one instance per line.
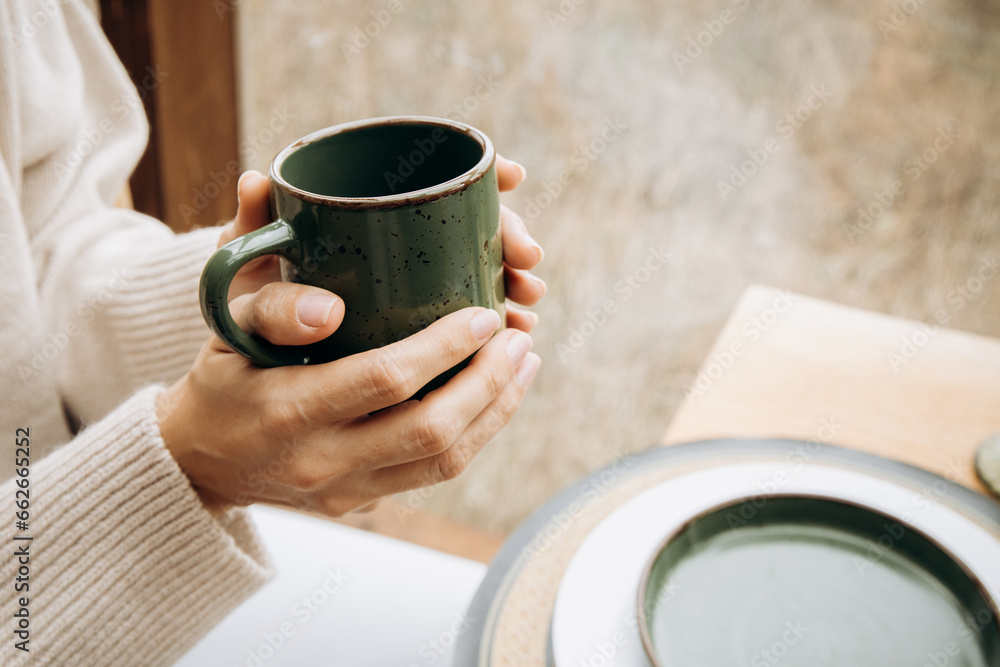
[398, 216]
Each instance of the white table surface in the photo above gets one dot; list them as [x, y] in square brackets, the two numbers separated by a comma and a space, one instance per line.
[374, 601]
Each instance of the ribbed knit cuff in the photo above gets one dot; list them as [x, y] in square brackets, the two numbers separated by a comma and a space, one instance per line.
[158, 321]
[127, 566]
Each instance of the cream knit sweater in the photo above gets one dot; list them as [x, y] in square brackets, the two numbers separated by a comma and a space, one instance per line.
[98, 305]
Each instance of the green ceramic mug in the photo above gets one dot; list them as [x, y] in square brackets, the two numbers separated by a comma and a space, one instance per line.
[398, 216]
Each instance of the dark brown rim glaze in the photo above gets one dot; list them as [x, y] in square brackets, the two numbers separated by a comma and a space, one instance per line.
[643, 622]
[457, 184]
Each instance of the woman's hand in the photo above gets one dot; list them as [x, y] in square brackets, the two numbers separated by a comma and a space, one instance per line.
[336, 437]
[520, 252]
[304, 436]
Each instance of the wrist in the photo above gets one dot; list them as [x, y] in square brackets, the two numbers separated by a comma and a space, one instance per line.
[181, 446]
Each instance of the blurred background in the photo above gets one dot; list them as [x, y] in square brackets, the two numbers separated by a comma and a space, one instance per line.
[844, 149]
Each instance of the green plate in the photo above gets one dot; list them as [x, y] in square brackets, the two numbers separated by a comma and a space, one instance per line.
[811, 581]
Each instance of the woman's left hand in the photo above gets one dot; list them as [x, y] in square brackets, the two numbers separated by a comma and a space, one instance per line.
[521, 253]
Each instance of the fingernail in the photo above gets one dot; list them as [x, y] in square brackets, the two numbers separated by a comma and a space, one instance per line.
[239, 184]
[484, 323]
[541, 251]
[314, 309]
[518, 346]
[525, 373]
[545, 287]
[520, 168]
[529, 239]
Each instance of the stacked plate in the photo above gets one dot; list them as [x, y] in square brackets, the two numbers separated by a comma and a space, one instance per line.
[830, 567]
[838, 558]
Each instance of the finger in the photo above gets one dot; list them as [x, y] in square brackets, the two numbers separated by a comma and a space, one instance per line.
[254, 209]
[519, 249]
[419, 429]
[376, 379]
[518, 318]
[453, 461]
[509, 173]
[253, 212]
[523, 287]
[289, 313]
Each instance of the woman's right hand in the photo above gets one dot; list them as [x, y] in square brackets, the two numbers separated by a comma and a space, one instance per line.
[305, 436]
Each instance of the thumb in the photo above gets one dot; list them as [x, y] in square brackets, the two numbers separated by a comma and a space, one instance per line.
[288, 313]
[253, 211]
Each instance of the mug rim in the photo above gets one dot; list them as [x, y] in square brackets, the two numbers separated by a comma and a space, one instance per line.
[423, 195]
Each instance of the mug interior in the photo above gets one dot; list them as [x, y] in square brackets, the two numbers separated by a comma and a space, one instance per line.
[381, 160]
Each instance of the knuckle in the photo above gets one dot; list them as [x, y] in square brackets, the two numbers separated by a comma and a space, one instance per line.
[260, 308]
[459, 346]
[504, 408]
[282, 420]
[332, 506]
[496, 378]
[435, 432]
[389, 379]
[305, 476]
[451, 463]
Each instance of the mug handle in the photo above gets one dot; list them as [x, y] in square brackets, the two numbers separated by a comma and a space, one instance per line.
[277, 238]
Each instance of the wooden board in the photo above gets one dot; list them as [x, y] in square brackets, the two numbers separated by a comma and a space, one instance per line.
[786, 365]
[181, 57]
[126, 25]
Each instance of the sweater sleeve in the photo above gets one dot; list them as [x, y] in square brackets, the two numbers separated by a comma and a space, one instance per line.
[118, 290]
[121, 292]
[125, 565]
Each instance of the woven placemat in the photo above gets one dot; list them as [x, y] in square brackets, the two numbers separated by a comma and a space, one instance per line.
[511, 614]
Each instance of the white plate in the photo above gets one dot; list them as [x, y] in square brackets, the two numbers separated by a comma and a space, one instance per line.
[594, 623]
